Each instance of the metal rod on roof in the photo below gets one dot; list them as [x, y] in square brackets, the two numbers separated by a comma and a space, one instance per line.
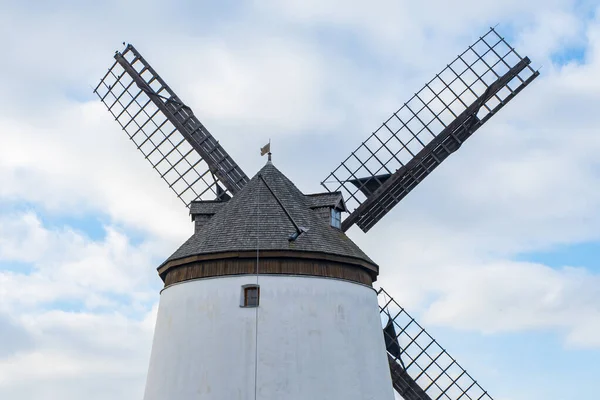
[299, 229]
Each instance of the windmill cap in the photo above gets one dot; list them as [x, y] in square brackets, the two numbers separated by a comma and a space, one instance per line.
[263, 216]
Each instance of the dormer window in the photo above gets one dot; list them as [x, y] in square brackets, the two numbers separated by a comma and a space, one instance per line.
[336, 218]
[329, 207]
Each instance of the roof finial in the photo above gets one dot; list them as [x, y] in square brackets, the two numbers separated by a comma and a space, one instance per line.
[266, 149]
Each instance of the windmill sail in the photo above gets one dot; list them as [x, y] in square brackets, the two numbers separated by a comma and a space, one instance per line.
[421, 369]
[166, 131]
[428, 128]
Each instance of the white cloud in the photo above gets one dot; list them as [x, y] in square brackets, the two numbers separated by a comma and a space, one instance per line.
[109, 283]
[67, 266]
[509, 297]
[72, 162]
[79, 355]
[277, 83]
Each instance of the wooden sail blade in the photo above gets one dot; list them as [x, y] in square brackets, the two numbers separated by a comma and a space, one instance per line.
[166, 131]
[428, 128]
[420, 368]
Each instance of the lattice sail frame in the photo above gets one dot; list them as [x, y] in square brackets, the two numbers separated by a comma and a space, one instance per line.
[428, 128]
[187, 157]
[424, 371]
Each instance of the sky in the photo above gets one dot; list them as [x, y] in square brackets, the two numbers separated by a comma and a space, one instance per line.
[496, 253]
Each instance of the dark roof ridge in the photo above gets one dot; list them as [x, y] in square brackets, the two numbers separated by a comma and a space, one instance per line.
[323, 194]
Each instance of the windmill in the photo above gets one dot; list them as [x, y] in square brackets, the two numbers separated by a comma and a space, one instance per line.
[269, 298]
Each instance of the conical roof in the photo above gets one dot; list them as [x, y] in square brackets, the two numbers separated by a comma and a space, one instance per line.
[260, 217]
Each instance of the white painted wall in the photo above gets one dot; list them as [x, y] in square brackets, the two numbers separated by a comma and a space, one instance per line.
[318, 339]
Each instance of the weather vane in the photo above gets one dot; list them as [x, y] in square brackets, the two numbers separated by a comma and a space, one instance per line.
[266, 149]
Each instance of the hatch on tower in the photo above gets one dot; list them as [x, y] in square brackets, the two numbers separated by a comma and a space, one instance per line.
[250, 296]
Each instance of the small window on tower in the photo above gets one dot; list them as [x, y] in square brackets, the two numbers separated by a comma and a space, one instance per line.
[250, 296]
[336, 218]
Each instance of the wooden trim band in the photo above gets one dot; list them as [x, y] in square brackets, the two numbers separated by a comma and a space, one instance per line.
[265, 254]
[271, 266]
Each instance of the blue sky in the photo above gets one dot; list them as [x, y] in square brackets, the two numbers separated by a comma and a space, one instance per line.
[584, 254]
[496, 253]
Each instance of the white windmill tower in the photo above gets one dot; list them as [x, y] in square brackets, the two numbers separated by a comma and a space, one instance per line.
[269, 299]
[297, 319]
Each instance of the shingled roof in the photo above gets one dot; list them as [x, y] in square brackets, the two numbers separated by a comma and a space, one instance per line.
[254, 218]
[333, 199]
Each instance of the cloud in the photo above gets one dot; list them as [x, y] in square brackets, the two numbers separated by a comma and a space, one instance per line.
[15, 339]
[79, 355]
[110, 286]
[68, 163]
[512, 297]
[64, 265]
[278, 83]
